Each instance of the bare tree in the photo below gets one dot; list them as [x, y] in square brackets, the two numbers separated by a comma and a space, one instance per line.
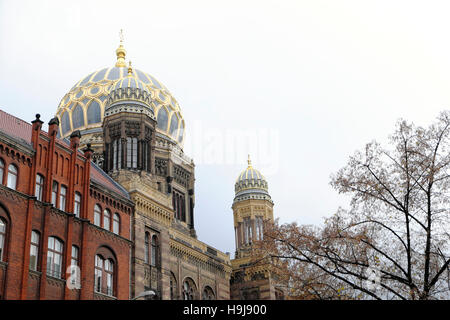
[393, 242]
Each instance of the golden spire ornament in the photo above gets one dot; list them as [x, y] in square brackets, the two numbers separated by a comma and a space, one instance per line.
[249, 161]
[121, 52]
[130, 69]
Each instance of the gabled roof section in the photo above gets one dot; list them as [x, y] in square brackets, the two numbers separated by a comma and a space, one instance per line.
[20, 130]
[102, 178]
[15, 127]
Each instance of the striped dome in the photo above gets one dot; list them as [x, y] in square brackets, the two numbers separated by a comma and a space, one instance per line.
[83, 107]
[130, 82]
[251, 184]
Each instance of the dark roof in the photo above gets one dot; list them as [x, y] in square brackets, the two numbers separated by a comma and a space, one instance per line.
[21, 130]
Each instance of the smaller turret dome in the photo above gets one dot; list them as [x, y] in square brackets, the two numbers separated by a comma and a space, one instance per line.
[251, 184]
[130, 95]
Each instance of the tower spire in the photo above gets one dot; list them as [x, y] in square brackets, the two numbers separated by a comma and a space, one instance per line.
[121, 52]
[249, 161]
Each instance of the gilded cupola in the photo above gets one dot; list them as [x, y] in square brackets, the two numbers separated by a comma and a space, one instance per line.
[251, 184]
[83, 107]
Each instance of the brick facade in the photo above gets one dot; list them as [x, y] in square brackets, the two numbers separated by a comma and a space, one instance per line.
[22, 210]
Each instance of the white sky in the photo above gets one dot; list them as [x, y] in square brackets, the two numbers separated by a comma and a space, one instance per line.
[323, 77]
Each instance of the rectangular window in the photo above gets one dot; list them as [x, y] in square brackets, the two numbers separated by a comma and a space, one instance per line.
[77, 205]
[62, 198]
[134, 164]
[34, 250]
[119, 154]
[114, 151]
[54, 193]
[129, 152]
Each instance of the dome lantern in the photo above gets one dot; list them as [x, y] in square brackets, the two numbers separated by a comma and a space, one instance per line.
[120, 53]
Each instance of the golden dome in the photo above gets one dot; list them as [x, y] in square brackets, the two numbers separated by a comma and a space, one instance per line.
[83, 107]
[251, 184]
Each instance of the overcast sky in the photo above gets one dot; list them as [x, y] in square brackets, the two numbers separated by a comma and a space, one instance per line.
[312, 80]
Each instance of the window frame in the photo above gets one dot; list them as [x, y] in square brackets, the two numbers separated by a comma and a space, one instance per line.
[77, 204]
[62, 198]
[52, 253]
[106, 219]
[154, 251]
[54, 199]
[39, 187]
[36, 246]
[12, 174]
[116, 223]
[3, 239]
[97, 213]
[2, 170]
[147, 247]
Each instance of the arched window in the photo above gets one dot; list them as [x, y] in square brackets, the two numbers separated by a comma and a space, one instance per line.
[131, 152]
[2, 169]
[109, 272]
[54, 257]
[107, 219]
[173, 287]
[75, 256]
[34, 250]
[155, 251]
[39, 187]
[116, 223]
[2, 238]
[97, 215]
[259, 227]
[247, 231]
[105, 265]
[12, 177]
[147, 248]
[208, 294]
[189, 289]
[99, 261]
[77, 204]
[62, 198]
[54, 193]
[74, 275]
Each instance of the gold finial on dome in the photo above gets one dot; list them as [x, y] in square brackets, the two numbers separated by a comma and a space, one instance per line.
[121, 52]
[249, 161]
[130, 69]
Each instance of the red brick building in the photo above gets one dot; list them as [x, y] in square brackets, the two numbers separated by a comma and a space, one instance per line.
[58, 209]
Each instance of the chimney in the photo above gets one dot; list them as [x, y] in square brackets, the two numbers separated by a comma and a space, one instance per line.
[75, 139]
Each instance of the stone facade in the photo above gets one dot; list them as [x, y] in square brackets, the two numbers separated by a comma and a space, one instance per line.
[252, 207]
